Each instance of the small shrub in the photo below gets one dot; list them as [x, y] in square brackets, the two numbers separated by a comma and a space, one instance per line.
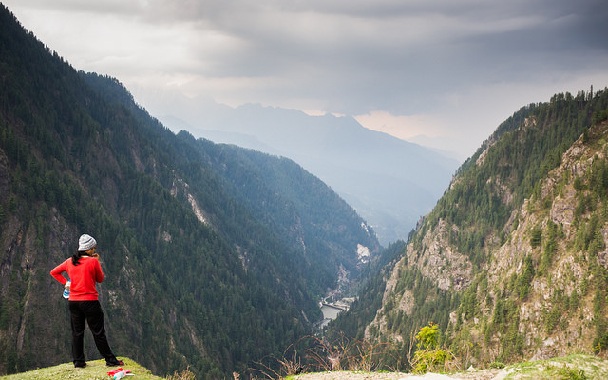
[571, 374]
[183, 375]
[430, 360]
[536, 237]
[318, 354]
[429, 356]
[497, 365]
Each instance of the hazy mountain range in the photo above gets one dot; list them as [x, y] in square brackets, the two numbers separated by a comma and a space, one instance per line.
[389, 181]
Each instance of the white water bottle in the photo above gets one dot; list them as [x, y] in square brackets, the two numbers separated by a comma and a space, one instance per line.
[66, 290]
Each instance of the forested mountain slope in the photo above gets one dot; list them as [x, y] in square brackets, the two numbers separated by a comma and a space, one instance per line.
[511, 263]
[214, 256]
[389, 181]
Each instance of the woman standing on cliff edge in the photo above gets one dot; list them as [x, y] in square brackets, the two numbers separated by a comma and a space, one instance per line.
[84, 271]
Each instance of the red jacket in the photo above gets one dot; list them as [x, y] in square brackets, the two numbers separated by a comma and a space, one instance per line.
[83, 277]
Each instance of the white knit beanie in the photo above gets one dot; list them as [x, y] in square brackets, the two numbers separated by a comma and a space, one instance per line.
[86, 242]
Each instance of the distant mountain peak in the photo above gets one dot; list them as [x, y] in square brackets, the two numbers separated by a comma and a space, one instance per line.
[358, 163]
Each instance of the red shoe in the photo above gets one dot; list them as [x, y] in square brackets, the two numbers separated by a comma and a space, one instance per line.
[115, 363]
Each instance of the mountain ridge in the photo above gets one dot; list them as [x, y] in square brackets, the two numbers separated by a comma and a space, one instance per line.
[204, 269]
[510, 261]
[344, 154]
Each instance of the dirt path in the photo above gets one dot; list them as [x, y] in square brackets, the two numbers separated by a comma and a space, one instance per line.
[496, 374]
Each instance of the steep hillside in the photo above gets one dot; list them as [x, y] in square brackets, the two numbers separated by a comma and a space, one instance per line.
[215, 257]
[390, 182]
[510, 263]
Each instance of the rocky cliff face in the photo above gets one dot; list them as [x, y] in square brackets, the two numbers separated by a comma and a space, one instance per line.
[24, 287]
[556, 314]
[540, 289]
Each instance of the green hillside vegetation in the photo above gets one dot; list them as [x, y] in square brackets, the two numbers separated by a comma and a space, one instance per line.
[511, 262]
[541, 271]
[369, 297]
[515, 159]
[215, 257]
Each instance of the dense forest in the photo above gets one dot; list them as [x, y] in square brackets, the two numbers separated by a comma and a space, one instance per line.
[522, 227]
[215, 257]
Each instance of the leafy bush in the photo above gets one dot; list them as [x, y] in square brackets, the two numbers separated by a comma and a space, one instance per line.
[429, 356]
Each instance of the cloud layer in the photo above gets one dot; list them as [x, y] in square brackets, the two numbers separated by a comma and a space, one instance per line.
[437, 68]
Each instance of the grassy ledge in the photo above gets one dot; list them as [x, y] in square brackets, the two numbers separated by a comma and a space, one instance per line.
[95, 370]
[570, 367]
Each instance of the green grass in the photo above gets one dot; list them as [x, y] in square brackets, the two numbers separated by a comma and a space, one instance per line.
[95, 370]
[571, 367]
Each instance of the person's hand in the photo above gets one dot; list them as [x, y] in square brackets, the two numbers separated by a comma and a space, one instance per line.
[95, 255]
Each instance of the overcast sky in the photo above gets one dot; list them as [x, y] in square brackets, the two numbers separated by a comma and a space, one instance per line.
[444, 73]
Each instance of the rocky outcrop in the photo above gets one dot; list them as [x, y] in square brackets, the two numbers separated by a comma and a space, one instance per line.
[440, 261]
[537, 294]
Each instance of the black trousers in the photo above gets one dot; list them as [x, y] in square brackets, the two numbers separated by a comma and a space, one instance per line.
[91, 312]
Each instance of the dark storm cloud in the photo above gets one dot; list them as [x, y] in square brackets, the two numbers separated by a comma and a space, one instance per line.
[343, 56]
